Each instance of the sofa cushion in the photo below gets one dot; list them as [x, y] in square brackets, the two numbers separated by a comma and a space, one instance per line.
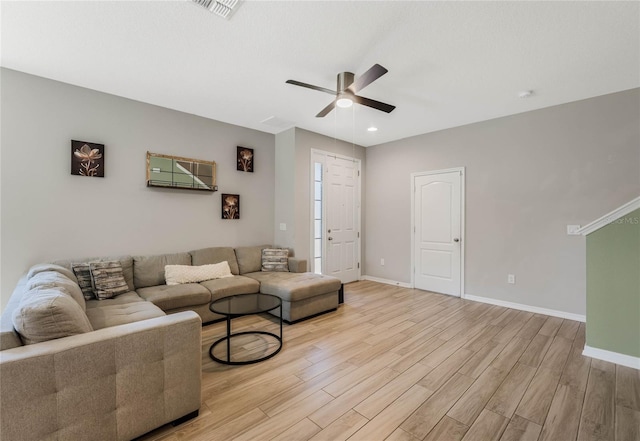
[249, 258]
[275, 259]
[125, 261]
[55, 280]
[107, 279]
[295, 286]
[46, 314]
[106, 314]
[45, 267]
[206, 256]
[231, 286]
[130, 297]
[149, 270]
[169, 297]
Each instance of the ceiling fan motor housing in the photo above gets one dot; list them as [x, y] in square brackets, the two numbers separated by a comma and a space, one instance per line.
[345, 79]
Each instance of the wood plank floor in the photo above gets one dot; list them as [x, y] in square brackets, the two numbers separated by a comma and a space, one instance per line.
[402, 364]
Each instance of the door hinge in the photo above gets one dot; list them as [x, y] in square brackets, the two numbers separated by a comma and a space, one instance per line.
[358, 264]
[358, 172]
[358, 235]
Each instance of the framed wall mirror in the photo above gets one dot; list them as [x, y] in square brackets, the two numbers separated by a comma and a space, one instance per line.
[178, 172]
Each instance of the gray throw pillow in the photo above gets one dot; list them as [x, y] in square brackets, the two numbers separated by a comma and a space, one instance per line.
[275, 259]
[55, 280]
[108, 279]
[47, 314]
[46, 267]
[83, 274]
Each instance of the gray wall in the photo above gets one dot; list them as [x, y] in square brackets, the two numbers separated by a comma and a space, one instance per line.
[48, 214]
[293, 201]
[527, 177]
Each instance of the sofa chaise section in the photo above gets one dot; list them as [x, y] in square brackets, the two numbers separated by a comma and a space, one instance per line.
[303, 294]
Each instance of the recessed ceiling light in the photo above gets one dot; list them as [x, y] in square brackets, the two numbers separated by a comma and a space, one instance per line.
[372, 129]
[525, 94]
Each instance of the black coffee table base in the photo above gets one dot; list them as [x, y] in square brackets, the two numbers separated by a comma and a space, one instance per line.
[241, 305]
[240, 363]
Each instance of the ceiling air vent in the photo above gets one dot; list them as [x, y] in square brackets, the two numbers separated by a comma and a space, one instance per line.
[223, 8]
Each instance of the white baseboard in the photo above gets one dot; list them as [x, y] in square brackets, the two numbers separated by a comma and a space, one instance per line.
[386, 281]
[521, 307]
[612, 357]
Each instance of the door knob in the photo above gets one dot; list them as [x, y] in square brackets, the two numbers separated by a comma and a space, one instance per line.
[456, 240]
[329, 238]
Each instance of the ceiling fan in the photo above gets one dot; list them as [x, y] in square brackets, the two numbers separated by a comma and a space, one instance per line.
[347, 88]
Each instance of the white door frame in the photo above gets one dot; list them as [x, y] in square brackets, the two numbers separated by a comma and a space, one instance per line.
[462, 221]
[315, 153]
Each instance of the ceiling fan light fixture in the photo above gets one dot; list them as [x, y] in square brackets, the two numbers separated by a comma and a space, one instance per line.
[344, 102]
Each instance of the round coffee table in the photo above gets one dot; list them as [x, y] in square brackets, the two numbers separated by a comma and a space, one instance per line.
[241, 305]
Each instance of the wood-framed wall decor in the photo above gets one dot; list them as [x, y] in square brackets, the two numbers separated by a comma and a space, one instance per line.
[179, 172]
[87, 159]
[230, 206]
[245, 159]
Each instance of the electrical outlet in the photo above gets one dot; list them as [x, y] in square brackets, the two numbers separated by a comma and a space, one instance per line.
[382, 261]
[511, 279]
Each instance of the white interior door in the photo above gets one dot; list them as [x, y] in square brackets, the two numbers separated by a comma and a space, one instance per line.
[342, 237]
[438, 203]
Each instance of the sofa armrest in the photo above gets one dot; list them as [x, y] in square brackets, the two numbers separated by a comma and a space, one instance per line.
[297, 265]
[114, 383]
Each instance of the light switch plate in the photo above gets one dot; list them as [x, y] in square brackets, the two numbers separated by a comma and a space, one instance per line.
[283, 227]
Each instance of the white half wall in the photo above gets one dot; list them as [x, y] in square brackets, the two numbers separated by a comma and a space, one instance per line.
[528, 176]
[48, 214]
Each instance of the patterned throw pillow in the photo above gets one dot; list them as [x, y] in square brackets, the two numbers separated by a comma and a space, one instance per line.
[275, 259]
[108, 279]
[83, 274]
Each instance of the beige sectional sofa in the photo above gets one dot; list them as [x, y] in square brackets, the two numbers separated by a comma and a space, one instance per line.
[137, 365]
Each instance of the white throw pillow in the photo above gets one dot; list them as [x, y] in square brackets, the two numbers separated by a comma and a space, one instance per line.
[177, 274]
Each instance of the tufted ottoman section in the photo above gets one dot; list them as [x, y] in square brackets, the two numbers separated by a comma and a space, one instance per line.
[303, 294]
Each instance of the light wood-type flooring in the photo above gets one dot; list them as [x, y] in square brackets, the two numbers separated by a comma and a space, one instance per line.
[402, 364]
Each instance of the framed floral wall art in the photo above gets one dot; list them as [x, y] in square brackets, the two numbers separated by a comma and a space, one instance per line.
[87, 159]
[230, 206]
[245, 159]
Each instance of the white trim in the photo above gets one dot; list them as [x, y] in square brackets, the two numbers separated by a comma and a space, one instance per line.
[462, 220]
[528, 308]
[612, 357]
[386, 281]
[610, 217]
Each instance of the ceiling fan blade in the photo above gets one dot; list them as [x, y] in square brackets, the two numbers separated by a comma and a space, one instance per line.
[311, 86]
[375, 72]
[324, 112]
[373, 103]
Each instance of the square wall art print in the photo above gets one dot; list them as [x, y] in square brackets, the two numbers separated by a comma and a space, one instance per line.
[87, 159]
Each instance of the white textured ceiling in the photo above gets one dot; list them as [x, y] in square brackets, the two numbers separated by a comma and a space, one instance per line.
[450, 63]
